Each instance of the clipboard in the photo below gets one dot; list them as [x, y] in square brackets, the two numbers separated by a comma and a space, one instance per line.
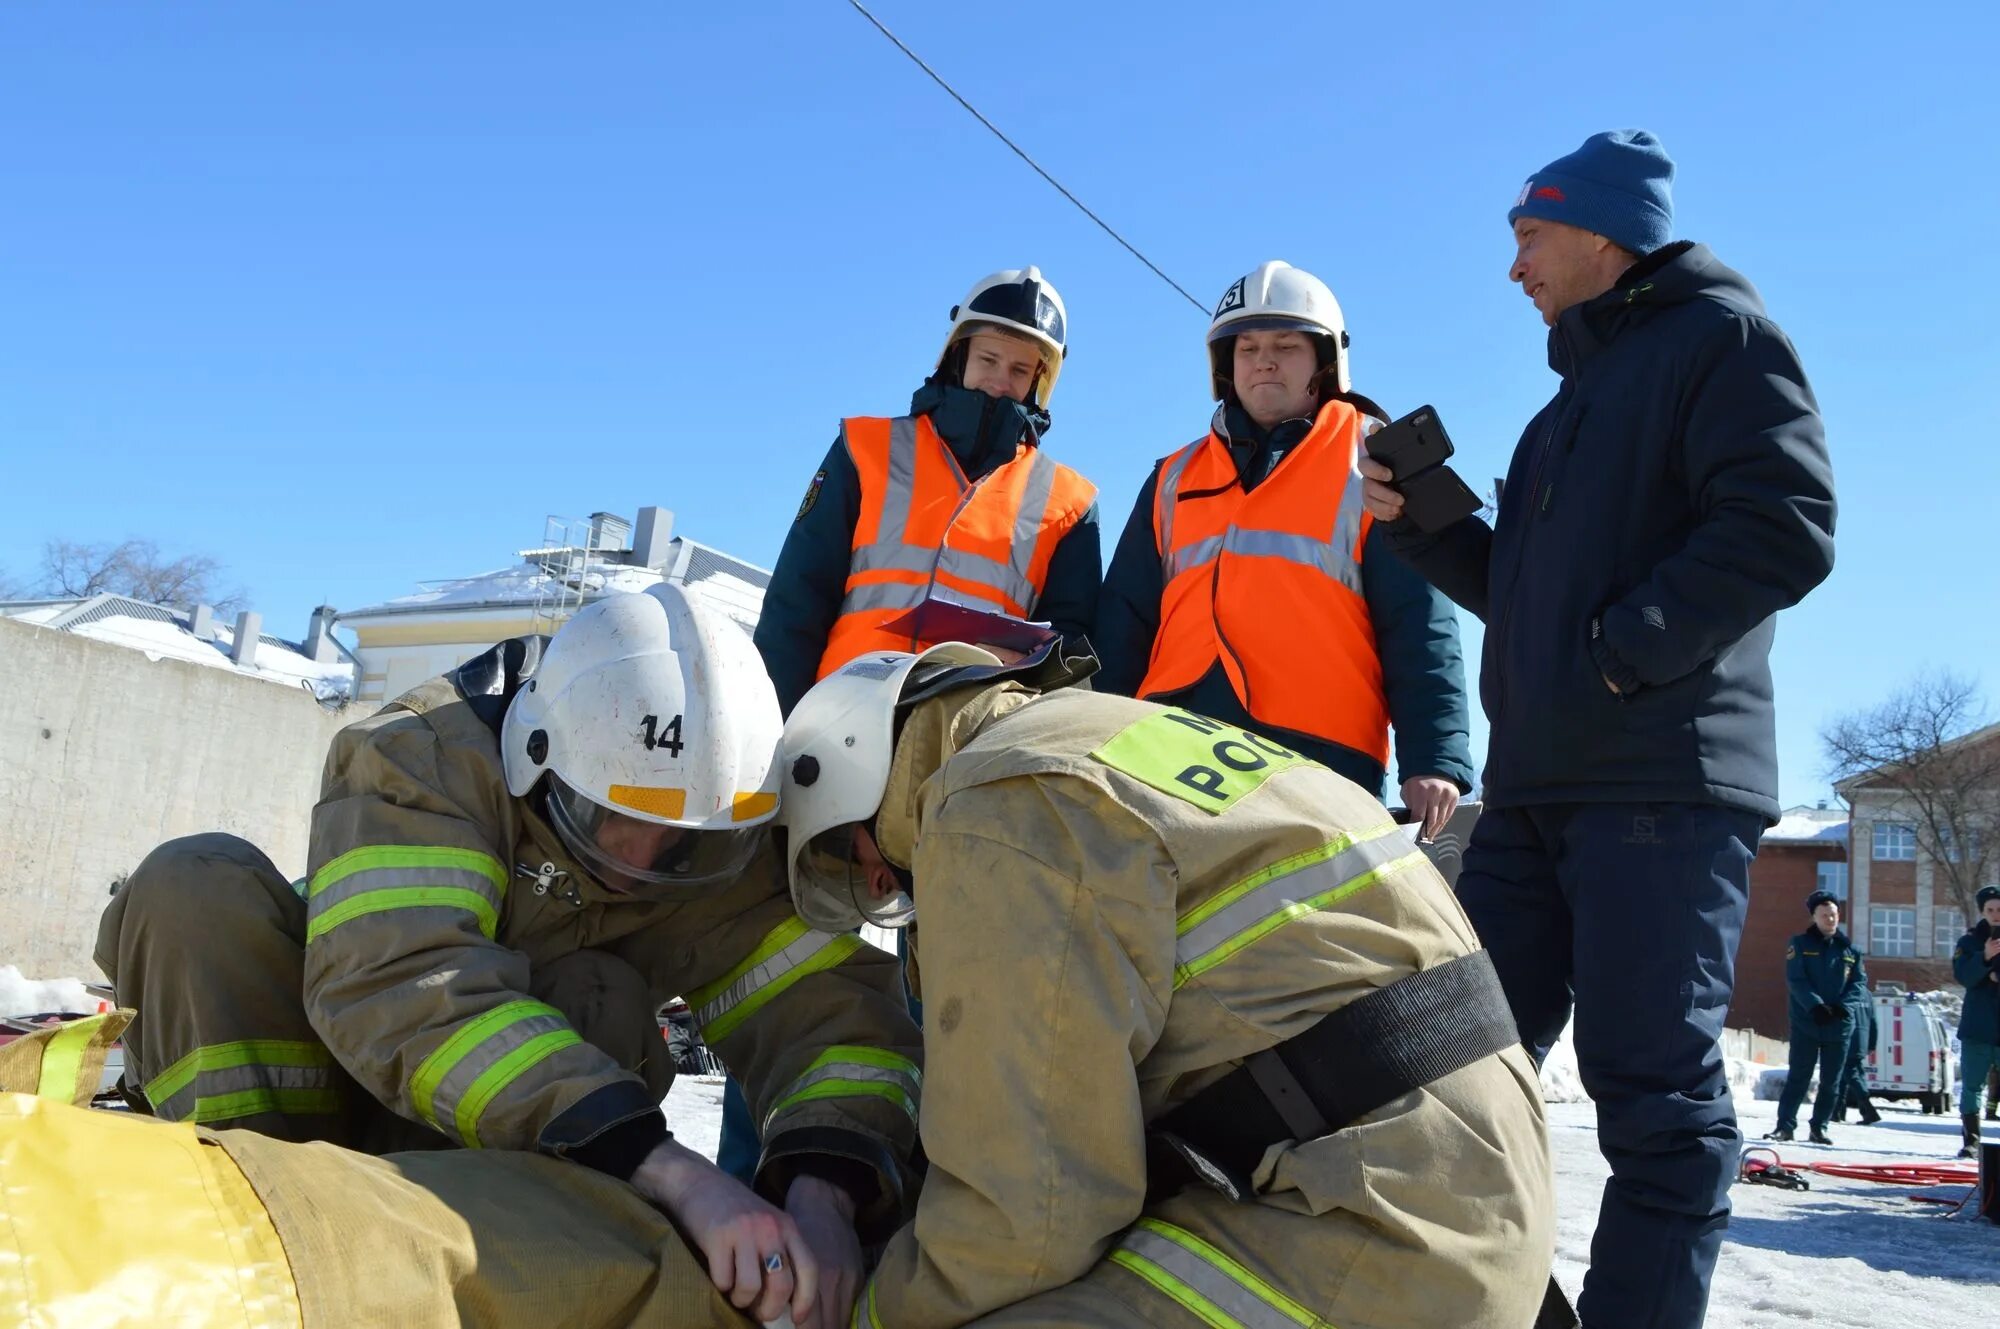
[937, 620]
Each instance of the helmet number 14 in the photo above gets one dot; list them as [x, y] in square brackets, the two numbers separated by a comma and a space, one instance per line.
[653, 736]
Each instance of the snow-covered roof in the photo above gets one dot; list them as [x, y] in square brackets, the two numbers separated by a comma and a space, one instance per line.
[164, 632]
[549, 577]
[1804, 825]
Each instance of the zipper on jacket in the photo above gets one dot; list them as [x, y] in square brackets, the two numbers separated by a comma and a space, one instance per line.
[1540, 500]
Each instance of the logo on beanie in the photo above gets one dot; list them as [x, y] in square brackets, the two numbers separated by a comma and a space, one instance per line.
[1533, 190]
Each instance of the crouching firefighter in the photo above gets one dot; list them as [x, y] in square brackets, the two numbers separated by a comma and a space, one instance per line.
[1207, 1040]
[511, 867]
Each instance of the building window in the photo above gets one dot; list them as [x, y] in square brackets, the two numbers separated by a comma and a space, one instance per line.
[1947, 925]
[1895, 841]
[1892, 932]
[1949, 848]
[1833, 880]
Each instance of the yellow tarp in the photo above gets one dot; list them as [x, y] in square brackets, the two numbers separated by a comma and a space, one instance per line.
[108, 1220]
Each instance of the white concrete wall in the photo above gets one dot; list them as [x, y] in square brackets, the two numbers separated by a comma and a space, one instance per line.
[105, 753]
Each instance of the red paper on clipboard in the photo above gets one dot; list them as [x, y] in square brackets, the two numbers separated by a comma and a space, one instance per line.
[938, 620]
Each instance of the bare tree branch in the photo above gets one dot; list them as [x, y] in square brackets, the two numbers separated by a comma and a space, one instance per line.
[1910, 745]
[135, 568]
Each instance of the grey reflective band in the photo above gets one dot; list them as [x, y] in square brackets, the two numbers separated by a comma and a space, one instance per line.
[1257, 906]
[890, 551]
[1204, 1281]
[883, 595]
[1167, 495]
[902, 480]
[1338, 557]
[1196, 554]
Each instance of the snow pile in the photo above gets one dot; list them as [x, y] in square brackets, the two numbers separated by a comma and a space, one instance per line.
[20, 995]
[1562, 1081]
[1947, 1003]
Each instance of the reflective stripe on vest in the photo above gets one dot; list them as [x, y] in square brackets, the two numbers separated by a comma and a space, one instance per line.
[791, 951]
[1204, 1281]
[401, 876]
[223, 1081]
[852, 1072]
[905, 470]
[1269, 583]
[465, 1073]
[1265, 901]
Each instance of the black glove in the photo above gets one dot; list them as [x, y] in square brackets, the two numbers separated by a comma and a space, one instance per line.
[1825, 1014]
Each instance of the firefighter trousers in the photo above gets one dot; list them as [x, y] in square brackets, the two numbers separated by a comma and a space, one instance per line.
[206, 940]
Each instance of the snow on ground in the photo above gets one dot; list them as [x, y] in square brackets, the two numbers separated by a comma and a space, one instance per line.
[694, 1112]
[1562, 1082]
[1846, 1253]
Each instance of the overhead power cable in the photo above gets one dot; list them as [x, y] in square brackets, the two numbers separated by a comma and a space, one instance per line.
[1105, 226]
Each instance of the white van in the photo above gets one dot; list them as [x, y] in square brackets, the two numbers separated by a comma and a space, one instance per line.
[1912, 1056]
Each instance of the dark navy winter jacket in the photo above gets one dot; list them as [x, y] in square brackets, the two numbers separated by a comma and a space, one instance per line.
[1670, 500]
[1979, 1020]
[1822, 970]
[810, 580]
[1416, 636]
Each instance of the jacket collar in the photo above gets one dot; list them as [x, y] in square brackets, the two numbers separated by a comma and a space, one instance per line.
[984, 433]
[929, 736]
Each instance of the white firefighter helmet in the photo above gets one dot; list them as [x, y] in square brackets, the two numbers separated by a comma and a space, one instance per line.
[650, 710]
[837, 749]
[1277, 295]
[1022, 302]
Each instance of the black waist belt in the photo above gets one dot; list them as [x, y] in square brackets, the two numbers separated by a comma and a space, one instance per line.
[1366, 1054]
[1363, 1056]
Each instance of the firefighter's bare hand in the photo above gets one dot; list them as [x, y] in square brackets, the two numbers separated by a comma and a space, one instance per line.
[1992, 947]
[825, 1215]
[1431, 800]
[1383, 502]
[755, 1252]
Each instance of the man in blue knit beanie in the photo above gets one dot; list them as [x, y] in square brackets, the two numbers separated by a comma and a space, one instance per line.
[1659, 512]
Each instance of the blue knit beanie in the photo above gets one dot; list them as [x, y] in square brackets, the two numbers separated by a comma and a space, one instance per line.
[1618, 184]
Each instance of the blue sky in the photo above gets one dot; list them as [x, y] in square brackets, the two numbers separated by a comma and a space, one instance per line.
[354, 296]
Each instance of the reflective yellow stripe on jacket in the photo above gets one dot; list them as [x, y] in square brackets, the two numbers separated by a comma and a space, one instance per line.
[1266, 900]
[62, 1059]
[790, 952]
[221, 1081]
[403, 876]
[475, 1065]
[1204, 1281]
[843, 1072]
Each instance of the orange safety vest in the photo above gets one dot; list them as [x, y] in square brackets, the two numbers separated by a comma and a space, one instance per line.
[1269, 582]
[924, 531]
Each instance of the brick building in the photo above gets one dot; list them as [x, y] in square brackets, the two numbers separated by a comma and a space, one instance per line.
[1806, 851]
[1905, 915]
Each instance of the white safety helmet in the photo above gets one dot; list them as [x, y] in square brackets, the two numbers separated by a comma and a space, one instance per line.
[839, 745]
[650, 708]
[837, 748]
[1276, 295]
[1022, 302]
